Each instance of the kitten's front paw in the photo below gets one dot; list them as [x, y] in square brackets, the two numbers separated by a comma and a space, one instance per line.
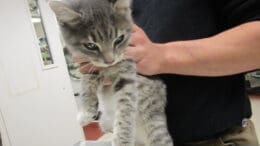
[84, 118]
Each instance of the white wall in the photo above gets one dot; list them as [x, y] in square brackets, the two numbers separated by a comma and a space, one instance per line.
[36, 104]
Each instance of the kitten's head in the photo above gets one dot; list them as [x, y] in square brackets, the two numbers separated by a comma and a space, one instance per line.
[97, 29]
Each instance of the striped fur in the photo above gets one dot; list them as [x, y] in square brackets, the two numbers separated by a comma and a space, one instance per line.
[132, 106]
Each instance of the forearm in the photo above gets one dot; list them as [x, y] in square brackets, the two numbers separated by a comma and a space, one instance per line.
[231, 52]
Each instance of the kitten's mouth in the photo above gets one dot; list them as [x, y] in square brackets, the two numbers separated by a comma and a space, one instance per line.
[105, 65]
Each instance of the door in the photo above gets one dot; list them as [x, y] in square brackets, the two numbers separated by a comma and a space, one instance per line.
[37, 105]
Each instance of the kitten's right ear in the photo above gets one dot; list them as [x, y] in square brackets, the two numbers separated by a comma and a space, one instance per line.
[65, 14]
[121, 6]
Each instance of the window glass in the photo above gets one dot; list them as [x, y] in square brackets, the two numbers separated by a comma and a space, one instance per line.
[37, 22]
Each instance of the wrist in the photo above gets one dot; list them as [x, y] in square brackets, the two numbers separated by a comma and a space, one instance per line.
[175, 55]
[164, 55]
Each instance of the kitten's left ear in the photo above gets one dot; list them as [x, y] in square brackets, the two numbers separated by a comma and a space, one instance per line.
[64, 14]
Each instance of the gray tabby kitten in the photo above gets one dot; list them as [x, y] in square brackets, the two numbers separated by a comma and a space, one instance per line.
[132, 106]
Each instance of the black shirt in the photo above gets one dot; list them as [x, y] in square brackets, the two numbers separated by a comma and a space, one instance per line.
[198, 107]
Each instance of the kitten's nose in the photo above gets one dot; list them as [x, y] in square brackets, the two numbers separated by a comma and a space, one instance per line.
[109, 58]
[109, 61]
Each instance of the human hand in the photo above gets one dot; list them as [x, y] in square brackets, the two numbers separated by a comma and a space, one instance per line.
[147, 55]
[85, 66]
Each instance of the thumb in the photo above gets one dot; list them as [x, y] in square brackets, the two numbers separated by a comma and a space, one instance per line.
[136, 28]
[134, 53]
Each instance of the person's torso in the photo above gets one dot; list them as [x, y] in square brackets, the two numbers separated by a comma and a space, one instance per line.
[198, 107]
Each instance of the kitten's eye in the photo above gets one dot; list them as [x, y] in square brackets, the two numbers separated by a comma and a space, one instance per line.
[91, 46]
[119, 40]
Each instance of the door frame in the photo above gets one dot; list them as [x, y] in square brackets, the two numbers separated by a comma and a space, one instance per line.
[4, 136]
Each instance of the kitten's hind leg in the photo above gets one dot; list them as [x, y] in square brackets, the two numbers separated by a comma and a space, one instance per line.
[151, 112]
[88, 102]
[156, 130]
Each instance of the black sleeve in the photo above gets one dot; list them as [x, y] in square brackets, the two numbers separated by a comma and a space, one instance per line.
[236, 12]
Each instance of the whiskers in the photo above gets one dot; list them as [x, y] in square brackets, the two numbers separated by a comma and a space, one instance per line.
[92, 69]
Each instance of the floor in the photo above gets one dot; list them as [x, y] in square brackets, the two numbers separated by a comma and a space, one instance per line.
[255, 100]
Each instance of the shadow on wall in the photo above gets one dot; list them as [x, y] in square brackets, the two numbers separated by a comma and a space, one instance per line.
[0, 140]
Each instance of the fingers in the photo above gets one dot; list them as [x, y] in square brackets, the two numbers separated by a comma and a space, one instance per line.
[134, 53]
[87, 68]
[134, 40]
[79, 59]
[136, 50]
[138, 36]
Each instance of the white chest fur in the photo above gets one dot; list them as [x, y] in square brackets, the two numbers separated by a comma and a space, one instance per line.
[107, 106]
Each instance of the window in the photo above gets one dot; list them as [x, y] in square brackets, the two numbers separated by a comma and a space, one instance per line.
[36, 20]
